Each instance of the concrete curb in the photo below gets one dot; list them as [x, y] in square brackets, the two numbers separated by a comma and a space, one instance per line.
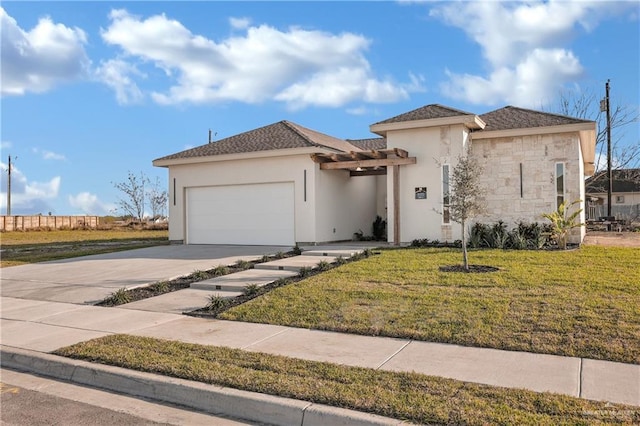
[211, 399]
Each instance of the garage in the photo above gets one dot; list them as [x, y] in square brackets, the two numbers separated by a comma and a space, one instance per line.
[256, 214]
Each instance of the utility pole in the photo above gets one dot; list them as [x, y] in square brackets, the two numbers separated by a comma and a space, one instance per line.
[9, 189]
[605, 107]
[609, 171]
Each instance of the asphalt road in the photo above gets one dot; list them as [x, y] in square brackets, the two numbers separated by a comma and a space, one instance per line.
[31, 400]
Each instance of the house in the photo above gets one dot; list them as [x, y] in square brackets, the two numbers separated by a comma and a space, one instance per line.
[625, 195]
[284, 184]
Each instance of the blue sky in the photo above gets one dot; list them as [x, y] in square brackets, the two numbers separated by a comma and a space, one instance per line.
[93, 90]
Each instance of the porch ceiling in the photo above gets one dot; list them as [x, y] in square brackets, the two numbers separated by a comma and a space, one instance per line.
[364, 163]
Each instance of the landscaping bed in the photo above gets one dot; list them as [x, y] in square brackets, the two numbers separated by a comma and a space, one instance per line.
[581, 303]
[408, 396]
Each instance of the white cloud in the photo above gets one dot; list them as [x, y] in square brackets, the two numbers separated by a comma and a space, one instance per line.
[118, 74]
[524, 44]
[239, 23]
[27, 197]
[535, 80]
[38, 59]
[48, 155]
[5, 145]
[88, 203]
[297, 66]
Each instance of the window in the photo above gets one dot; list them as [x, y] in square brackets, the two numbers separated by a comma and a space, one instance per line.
[446, 200]
[620, 199]
[559, 184]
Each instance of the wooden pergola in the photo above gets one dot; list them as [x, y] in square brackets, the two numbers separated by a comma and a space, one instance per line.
[371, 163]
[364, 163]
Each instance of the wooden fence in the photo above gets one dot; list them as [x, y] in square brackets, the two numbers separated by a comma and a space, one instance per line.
[23, 223]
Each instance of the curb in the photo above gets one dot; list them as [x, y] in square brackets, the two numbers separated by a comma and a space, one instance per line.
[203, 397]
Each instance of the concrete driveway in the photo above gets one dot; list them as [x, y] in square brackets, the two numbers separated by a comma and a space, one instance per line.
[89, 279]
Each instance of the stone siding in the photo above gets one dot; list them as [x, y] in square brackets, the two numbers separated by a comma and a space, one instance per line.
[538, 154]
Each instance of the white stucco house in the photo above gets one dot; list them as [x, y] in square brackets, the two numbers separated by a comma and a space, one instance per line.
[284, 184]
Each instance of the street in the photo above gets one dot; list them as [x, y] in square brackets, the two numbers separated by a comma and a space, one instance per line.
[31, 400]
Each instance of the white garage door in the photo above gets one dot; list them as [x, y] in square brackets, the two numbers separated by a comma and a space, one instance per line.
[260, 214]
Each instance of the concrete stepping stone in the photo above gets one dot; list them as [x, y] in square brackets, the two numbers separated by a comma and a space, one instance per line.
[345, 253]
[238, 281]
[177, 302]
[295, 263]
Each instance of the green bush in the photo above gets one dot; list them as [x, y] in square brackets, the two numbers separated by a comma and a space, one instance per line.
[379, 229]
[216, 302]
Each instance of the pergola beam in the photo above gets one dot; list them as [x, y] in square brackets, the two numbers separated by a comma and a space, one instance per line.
[368, 172]
[381, 162]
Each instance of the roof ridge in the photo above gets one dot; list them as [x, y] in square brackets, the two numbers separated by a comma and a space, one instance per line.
[295, 128]
[542, 112]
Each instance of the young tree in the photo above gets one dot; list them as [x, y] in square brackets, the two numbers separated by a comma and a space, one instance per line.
[158, 198]
[465, 197]
[133, 189]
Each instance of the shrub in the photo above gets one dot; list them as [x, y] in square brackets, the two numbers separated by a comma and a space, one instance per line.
[517, 239]
[220, 270]
[379, 229]
[562, 222]
[242, 264]
[200, 275]
[323, 265]
[216, 302]
[161, 287]
[119, 297]
[340, 260]
[297, 250]
[479, 235]
[251, 289]
[304, 271]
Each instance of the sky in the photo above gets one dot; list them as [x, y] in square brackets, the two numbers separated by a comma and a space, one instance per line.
[93, 91]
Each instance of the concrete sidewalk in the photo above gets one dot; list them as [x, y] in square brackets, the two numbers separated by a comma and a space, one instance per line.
[31, 328]
[46, 326]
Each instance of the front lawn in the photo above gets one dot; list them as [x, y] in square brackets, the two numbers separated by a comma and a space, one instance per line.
[581, 303]
[409, 396]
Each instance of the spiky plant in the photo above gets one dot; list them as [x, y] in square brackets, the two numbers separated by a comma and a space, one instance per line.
[562, 222]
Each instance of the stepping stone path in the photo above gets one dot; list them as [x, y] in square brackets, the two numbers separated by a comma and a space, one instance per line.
[233, 285]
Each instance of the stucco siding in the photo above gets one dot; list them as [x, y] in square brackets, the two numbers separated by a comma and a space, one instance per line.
[243, 172]
[432, 147]
[344, 205]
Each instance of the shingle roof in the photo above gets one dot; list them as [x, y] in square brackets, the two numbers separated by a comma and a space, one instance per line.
[425, 113]
[369, 144]
[281, 135]
[511, 117]
[624, 180]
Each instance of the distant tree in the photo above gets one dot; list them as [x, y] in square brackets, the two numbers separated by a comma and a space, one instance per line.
[466, 196]
[585, 104]
[158, 198]
[133, 188]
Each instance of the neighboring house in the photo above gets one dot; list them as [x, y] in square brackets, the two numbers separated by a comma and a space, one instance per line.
[284, 184]
[625, 195]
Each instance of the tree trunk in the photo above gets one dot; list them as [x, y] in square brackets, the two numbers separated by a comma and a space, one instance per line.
[465, 257]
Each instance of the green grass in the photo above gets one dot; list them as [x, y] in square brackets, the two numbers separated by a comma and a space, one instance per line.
[20, 248]
[580, 303]
[408, 396]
